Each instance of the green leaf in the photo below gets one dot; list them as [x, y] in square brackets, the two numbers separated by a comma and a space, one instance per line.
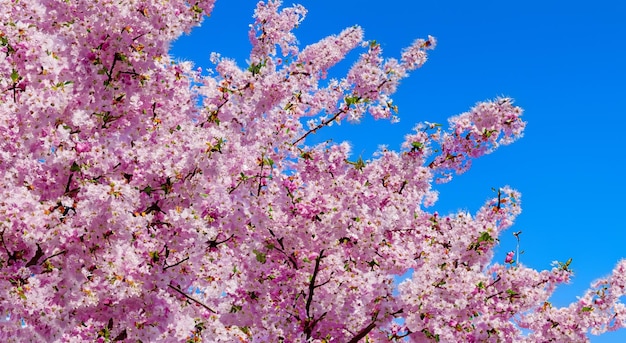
[344, 240]
[417, 145]
[245, 330]
[373, 263]
[359, 164]
[60, 84]
[586, 309]
[261, 257]
[351, 100]
[255, 68]
[511, 292]
[485, 237]
[306, 155]
[154, 256]
[565, 266]
[430, 335]
[196, 9]
[439, 283]
[75, 167]
[15, 76]
[120, 56]
[488, 133]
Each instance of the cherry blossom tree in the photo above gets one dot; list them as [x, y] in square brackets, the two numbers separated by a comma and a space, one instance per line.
[142, 200]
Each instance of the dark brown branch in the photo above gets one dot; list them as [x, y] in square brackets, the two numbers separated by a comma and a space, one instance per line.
[4, 245]
[495, 281]
[214, 243]
[109, 73]
[310, 322]
[191, 298]
[53, 255]
[402, 186]
[312, 287]
[258, 192]
[131, 73]
[213, 118]
[236, 186]
[13, 256]
[122, 336]
[38, 254]
[361, 334]
[69, 182]
[323, 283]
[141, 35]
[291, 257]
[16, 88]
[319, 126]
[176, 264]
[400, 311]
[192, 173]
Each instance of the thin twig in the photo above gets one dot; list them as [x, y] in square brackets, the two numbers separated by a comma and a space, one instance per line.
[191, 298]
[319, 126]
[175, 264]
[53, 255]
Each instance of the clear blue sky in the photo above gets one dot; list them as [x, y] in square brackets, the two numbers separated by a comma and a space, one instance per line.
[563, 62]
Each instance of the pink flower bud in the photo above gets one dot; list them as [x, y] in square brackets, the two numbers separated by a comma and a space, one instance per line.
[509, 257]
[83, 147]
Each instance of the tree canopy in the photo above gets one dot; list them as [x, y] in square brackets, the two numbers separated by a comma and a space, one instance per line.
[142, 200]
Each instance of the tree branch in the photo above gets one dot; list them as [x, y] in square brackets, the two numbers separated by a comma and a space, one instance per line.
[166, 267]
[363, 333]
[191, 298]
[310, 322]
[312, 287]
[54, 255]
[321, 125]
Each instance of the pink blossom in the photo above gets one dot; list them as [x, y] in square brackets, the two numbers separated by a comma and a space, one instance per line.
[509, 257]
[83, 147]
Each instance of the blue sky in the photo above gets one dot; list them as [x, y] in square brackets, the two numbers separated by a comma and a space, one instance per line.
[563, 62]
